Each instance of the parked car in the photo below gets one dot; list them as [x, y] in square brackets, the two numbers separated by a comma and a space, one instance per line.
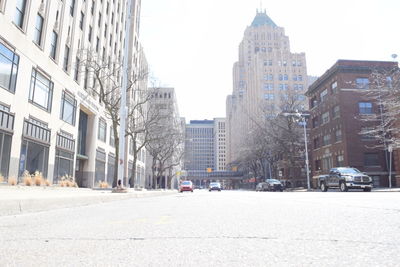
[274, 185]
[186, 186]
[345, 178]
[263, 186]
[214, 186]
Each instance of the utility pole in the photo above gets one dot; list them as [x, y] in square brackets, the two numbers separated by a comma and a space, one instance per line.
[123, 109]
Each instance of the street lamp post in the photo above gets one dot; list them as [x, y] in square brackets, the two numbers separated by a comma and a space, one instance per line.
[302, 117]
[390, 149]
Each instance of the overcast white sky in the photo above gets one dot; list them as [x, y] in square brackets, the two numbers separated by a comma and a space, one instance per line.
[191, 45]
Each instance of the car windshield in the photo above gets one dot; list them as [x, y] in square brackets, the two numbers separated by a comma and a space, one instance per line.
[186, 183]
[273, 181]
[214, 184]
[348, 170]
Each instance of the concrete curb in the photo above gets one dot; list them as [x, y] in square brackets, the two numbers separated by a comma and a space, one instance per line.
[19, 206]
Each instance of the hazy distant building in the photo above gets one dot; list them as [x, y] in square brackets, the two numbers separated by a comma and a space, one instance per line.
[205, 145]
[165, 102]
[265, 76]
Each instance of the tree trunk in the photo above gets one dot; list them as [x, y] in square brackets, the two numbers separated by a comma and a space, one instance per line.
[116, 161]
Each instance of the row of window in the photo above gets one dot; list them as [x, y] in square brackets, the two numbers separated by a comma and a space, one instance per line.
[283, 63]
[325, 164]
[283, 77]
[327, 140]
[284, 96]
[325, 117]
[270, 86]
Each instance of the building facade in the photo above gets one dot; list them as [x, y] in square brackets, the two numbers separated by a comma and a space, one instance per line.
[265, 76]
[164, 101]
[51, 121]
[205, 148]
[337, 100]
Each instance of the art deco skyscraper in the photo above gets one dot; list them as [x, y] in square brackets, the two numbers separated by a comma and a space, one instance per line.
[265, 76]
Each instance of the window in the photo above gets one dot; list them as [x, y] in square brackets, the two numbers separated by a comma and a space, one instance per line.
[102, 131]
[316, 142]
[110, 168]
[112, 139]
[268, 86]
[63, 164]
[20, 13]
[323, 95]
[37, 34]
[367, 133]
[81, 20]
[269, 96]
[285, 77]
[76, 73]
[336, 112]
[100, 169]
[365, 108]
[9, 68]
[362, 83]
[338, 135]
[66, 58]
[90, 34]
[34, 157]
[72, 7]
[5, 151]
[325, 117]
[334, 87]
[53, 45]
[92, 8]
[280, 77]
[326, 139]
[86, 80]
[339, 161]
[315, 122]
[97, 44]
[99, 20]
[371, 159]
[300, 78]
[294, 77]
[68, 108]
[41, 90]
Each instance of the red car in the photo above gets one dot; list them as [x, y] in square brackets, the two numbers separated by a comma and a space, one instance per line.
[186, 186]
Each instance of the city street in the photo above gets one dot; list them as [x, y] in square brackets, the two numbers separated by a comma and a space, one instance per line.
[228, 228]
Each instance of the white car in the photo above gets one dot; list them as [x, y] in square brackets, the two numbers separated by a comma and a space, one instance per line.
[214, 186]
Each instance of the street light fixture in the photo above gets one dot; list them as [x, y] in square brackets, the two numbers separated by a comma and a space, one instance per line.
[302, 117]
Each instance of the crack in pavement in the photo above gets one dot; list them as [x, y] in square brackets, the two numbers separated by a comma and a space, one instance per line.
[204, 238]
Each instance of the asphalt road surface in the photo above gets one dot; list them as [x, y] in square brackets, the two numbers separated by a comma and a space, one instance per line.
[228, 228]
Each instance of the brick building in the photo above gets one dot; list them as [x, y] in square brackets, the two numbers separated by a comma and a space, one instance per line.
[337, 99]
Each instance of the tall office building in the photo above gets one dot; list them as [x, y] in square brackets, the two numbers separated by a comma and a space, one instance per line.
[205, 146]
[266, 75]
[50, 120]
[165, 103]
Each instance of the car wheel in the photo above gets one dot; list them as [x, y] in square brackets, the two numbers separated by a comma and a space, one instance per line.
[219, 190]
[343, 187]
[323, 187]
[368, 189]
[281, 190]
[192, 191]
[180, 191]
[209, 190]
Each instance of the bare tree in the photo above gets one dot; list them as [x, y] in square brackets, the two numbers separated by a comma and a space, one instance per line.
[384, 91]
[103, 79]
[276, 139]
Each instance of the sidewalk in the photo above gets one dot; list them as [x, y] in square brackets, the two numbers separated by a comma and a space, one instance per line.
[22, 199]
[378, 189]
